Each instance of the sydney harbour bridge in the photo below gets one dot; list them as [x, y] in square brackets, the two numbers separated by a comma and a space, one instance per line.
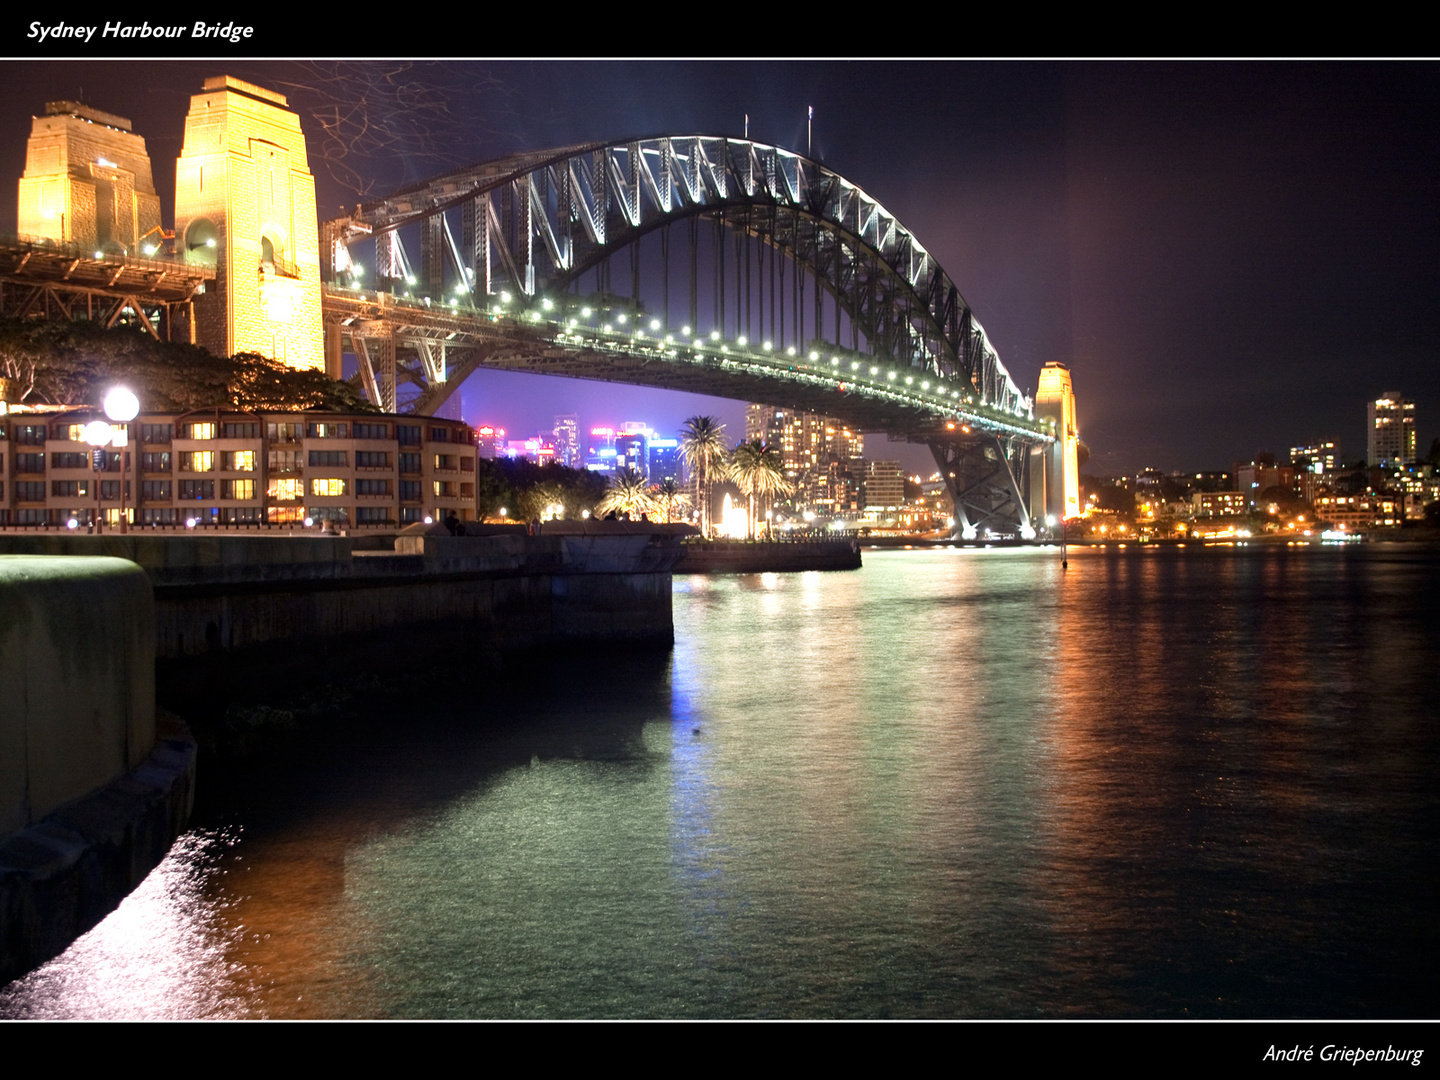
[704, 264]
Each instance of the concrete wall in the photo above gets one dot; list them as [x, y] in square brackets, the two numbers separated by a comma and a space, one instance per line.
[732, 557]
[228, 592]
[77, 680]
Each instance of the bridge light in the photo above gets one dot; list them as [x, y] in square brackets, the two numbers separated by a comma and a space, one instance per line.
[790, 351]
[814, 355]
[504, 295]
[874, 371]
[654, 324]
[909, 380]
[714, 335]
[742, 341]
[768, 346]
[854, 365]
[586, 312]
[685, 331]
[411, 281]
[547, 304]
[891, 376]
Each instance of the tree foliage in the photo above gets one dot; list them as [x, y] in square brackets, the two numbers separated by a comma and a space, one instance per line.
[759, 470]
[702, 444]
[55, 363]
[524, 489]
[629, 493]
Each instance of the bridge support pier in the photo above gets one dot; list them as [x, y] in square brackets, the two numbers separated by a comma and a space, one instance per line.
[988, 481]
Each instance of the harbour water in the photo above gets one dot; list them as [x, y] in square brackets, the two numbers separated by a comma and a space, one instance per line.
[1163, 783]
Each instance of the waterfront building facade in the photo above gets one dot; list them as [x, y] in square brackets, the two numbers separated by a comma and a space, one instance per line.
[224, 467]
[884, 488]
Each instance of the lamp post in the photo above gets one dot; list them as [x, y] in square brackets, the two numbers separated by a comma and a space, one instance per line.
[98, 434]
[121, 406]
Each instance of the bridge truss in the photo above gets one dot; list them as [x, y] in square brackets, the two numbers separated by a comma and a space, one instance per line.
[793, 287]
[44, 279]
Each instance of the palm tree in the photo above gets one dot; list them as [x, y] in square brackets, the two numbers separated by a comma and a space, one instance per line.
[629, 494]
[702, 444]
[760, 471]
[667, 493]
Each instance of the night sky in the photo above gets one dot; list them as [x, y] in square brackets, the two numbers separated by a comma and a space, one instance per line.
[1231, 257]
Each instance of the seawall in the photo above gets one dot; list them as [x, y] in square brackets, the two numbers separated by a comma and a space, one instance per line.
[761, 557]
[228, 593]
[93, 790]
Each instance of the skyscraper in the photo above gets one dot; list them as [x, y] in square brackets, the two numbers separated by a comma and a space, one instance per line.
[822, 458]
[567, 440]
[1391, 430]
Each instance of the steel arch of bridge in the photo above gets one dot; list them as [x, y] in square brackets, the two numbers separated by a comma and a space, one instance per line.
[532, 224]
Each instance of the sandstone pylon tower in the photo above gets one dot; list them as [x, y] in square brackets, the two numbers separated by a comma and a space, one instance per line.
[245, 204]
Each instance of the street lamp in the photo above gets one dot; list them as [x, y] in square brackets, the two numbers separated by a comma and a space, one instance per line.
[121, 406]
[98, 434]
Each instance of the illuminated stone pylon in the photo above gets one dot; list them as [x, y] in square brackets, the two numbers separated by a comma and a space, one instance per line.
[245, 204]
[87, 180]
[1055, 400]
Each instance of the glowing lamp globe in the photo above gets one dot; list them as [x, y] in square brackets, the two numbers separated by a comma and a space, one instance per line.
[98, 433]
[121, 405]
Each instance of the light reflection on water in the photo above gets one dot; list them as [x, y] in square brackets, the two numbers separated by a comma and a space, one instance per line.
[955, 783]
[162, 955]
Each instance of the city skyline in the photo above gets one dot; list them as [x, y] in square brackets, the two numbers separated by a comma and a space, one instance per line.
[1229, 257]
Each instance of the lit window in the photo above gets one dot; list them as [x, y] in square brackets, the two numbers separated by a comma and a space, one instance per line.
[197, 460]
[328, 485]
[285, 489]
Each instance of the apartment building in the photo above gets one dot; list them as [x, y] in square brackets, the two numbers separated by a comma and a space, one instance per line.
[234, 468]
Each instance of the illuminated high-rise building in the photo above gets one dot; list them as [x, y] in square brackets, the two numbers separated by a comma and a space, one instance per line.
[1055, 401]
[1391, 430]
[87, 179]
[567, 440]
[245, 204]
[822, 458]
